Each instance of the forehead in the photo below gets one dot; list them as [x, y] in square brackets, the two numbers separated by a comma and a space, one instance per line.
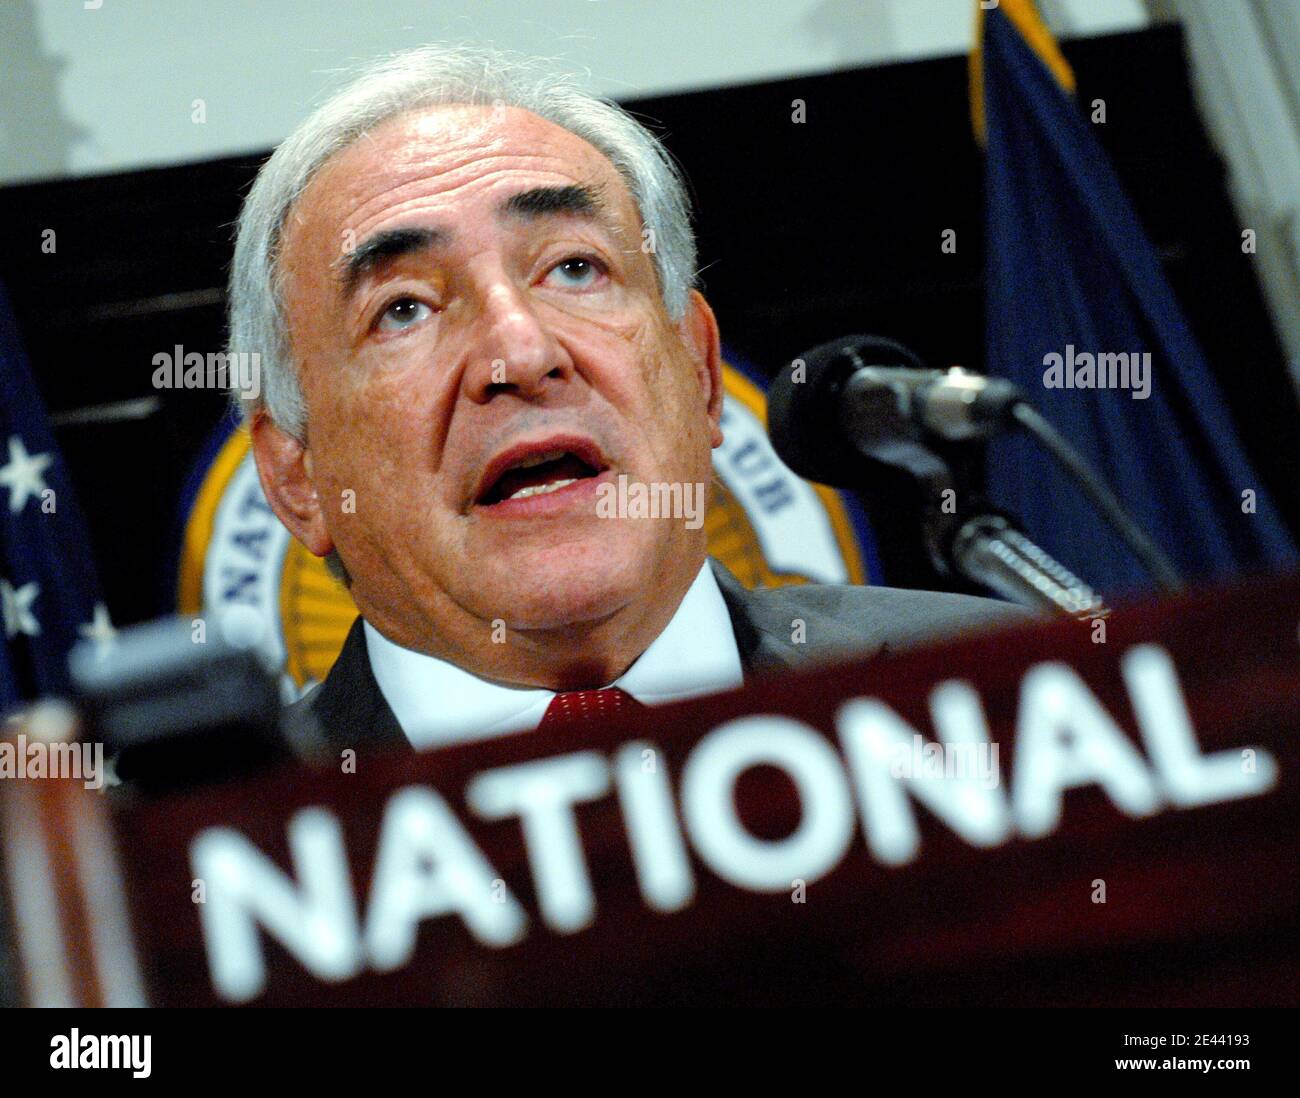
[450, 156]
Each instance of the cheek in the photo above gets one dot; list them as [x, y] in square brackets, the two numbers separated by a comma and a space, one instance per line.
[651, 381]
[377, 438]
[383, 403]
[638, 368]
[674, 394]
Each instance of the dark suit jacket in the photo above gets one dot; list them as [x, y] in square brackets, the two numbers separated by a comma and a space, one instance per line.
[348, 710]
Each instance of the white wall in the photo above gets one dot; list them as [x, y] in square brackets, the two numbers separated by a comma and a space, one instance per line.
[88, 89]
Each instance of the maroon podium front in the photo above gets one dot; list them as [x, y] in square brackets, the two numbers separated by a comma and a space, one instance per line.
[1059, 813]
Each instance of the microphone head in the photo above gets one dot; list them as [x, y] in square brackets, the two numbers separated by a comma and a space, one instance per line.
[803, 406]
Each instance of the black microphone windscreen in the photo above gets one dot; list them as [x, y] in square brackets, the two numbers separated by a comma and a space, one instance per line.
[803, 406]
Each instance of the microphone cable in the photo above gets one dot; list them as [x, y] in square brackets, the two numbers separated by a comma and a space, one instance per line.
[1099, 495]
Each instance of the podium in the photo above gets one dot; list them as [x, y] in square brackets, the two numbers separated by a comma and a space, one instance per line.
[1058, 813]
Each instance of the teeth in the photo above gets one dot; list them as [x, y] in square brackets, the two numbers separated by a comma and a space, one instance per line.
[543, 489]
[538, 459]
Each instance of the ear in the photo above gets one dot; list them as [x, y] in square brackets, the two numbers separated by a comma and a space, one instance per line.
[284, 468]
[699, 332]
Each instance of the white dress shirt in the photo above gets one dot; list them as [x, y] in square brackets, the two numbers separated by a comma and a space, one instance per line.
[438, 703]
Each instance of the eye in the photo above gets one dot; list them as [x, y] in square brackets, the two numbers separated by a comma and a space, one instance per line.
[577, 272]
[402, 314]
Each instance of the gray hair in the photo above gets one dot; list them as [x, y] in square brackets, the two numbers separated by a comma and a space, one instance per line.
[428, 77]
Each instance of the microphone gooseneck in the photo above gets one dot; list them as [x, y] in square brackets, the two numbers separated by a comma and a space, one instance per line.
[859, 400]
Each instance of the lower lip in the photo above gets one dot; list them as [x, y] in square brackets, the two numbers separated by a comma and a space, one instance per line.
[580, 495]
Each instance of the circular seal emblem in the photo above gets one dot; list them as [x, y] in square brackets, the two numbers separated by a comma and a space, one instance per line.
[763, 522]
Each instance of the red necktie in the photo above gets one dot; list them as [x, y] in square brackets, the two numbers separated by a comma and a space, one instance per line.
[580, 707]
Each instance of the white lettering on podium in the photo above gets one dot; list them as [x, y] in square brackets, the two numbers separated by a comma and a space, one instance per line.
[428, 864]
[1188, 778]
[315, 919]
[542, 794]
[873, 735]
[1065, 739]
[663, 868]
[709, 807]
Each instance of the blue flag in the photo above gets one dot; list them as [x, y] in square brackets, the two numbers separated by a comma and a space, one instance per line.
[1080, 314]
[47, 577]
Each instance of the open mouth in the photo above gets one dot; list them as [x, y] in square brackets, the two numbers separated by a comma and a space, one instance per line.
[537, 473]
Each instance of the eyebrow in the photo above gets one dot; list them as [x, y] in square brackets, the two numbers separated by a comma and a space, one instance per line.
[531, 205]
[548, 201]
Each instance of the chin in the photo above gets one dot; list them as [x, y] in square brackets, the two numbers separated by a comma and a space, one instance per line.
[565, 586]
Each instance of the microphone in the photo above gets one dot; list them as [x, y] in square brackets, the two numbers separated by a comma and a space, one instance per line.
[864, 396]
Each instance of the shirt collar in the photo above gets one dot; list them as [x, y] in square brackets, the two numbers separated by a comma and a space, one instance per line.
[438, 703]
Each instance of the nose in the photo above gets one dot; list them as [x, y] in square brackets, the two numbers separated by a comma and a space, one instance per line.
[514, 352]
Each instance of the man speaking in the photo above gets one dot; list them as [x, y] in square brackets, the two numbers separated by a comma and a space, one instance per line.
[471, 285]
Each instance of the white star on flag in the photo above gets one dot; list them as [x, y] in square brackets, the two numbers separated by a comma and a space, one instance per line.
[100, 630]
[22, 476]
[18, 608]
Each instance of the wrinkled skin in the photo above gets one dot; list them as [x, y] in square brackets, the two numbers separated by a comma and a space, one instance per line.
[440, 358]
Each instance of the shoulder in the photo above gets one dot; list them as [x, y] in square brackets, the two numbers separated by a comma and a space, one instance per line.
[801, 623]
[893, 614]
[304, 725]
[303, 708]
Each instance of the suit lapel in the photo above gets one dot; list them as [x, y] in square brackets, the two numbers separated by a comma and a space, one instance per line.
[350, 708]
